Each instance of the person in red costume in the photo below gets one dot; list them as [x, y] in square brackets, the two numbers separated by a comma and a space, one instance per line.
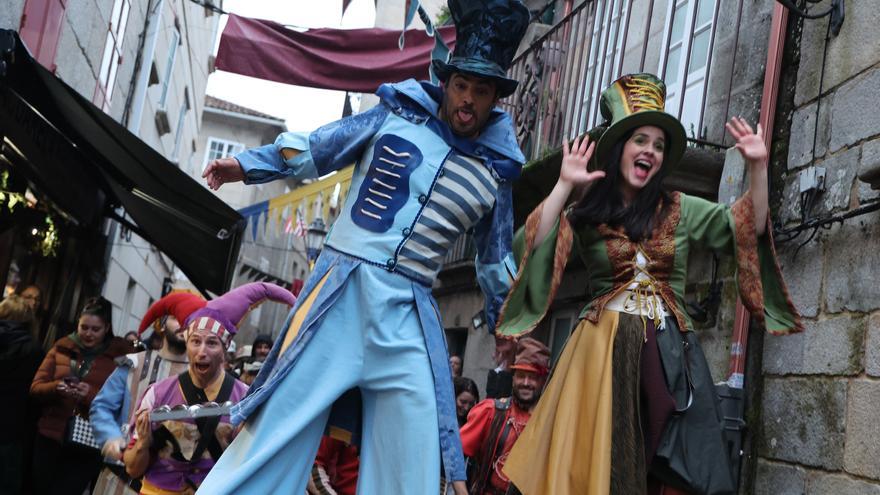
[336, 468]
[493, 425]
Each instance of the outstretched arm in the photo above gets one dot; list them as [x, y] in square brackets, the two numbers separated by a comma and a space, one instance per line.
[573, 173]
[751, 146]
[221, 171]
[301, 155]
[106, 409]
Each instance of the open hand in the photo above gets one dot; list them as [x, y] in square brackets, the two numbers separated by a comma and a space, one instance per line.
[142, 427]
[575, 160]
[221, 171]
[749, 143]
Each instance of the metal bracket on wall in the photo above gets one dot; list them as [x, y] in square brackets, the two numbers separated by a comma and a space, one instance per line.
[836, 11]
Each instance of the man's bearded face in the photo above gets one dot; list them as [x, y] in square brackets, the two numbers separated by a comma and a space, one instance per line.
[467, 103]
[527, 387]
[174, 333]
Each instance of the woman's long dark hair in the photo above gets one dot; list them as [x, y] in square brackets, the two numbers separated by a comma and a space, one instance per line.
[603, 203]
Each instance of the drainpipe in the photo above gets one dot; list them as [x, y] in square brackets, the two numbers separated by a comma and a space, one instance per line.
[772, 72]
[732, 393]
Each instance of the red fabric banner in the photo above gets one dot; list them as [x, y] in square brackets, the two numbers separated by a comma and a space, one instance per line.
[356, 60]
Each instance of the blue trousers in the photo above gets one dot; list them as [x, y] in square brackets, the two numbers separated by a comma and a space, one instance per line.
[370, 338]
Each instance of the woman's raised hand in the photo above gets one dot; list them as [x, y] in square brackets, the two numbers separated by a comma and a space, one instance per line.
[752, 148]
[749, 143]
[574, 162]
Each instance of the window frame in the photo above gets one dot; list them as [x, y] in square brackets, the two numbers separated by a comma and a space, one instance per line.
[112, 57]
[170, 62]
[611, 50]
[689, 84]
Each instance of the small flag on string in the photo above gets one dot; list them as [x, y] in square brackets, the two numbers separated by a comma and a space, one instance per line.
[300, 228]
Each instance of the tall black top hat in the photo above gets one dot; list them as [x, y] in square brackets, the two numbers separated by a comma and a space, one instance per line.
[487, 34]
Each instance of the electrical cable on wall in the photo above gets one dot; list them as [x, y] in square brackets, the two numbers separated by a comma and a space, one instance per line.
[807, 199]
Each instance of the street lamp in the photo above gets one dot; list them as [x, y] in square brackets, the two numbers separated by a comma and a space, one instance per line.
[315, 240]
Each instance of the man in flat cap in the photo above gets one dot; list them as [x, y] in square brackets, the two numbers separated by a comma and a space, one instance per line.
[493, 425]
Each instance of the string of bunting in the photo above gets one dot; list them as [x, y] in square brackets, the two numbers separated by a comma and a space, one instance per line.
[291, 213]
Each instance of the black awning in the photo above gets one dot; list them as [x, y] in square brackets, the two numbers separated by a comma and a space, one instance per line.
[76, 153]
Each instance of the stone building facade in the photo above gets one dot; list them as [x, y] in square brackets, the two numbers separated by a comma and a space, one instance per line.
[146, 64]
[820, 421]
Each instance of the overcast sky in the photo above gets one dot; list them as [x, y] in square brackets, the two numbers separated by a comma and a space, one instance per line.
[303, 108]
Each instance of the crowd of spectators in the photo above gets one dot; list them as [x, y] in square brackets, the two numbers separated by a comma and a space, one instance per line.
[110, 384]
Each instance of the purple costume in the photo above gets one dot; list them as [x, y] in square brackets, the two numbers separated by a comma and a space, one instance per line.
[167, 474]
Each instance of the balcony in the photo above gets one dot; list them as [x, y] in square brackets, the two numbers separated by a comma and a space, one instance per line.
[564, 71]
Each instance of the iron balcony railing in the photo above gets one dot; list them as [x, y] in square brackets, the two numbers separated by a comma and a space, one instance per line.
[564, 71]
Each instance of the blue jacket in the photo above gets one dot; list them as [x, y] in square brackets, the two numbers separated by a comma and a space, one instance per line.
[403, 137]
[407, 110]
[109, 409]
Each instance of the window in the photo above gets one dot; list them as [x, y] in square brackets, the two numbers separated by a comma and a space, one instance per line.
[220, 148]
[169, 66]
[112, 54]
[181, 118]
[606, 51]
[561, 326]
[693, 22]
[41, 27]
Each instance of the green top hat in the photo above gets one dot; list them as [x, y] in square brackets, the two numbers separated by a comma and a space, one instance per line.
[633, 101]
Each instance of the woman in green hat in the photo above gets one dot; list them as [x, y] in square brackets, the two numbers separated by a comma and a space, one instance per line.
[631, 406]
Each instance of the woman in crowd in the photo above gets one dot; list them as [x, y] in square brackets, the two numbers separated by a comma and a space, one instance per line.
[20, 355]
[631, 407]
[466, 395]
[68, 379]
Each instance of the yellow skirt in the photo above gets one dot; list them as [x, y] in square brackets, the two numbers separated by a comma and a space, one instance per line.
[565, 448]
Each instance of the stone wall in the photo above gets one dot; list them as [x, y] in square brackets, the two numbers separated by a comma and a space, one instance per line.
[820, 421]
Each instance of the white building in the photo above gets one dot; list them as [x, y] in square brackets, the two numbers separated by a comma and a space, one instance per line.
[146, 64]
[227, 129]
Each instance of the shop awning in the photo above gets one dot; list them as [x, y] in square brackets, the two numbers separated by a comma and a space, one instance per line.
[79, 155]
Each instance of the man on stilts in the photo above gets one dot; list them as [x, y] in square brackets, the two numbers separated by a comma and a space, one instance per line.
[365, 338]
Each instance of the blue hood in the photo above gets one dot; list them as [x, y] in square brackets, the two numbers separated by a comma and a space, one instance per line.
[498, 136]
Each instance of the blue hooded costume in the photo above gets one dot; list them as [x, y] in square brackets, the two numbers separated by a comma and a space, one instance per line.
[363, 350]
